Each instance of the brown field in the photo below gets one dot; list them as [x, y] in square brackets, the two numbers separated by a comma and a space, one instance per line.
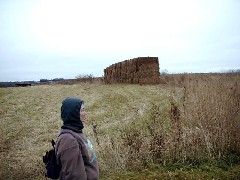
[186, 127]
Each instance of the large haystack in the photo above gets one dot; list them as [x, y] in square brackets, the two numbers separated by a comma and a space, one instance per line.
[141, 70]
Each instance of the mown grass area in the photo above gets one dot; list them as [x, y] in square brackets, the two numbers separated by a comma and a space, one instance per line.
[186, 128]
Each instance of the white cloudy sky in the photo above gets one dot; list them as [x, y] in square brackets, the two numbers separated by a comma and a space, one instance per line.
[64, 38]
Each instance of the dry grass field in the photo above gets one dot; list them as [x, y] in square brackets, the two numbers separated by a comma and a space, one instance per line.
[186, 127]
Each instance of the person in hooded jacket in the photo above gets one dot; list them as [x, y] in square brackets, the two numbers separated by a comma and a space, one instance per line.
[74, 151]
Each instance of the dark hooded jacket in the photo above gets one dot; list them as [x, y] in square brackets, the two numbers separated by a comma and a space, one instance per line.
[74, 151]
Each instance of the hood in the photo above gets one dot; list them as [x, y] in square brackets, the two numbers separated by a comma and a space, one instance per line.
[70, 114]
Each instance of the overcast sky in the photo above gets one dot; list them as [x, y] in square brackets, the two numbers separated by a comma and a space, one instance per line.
[64, 38]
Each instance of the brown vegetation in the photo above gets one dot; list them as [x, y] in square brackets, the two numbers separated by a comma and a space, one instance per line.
[199, 123]
[189, 119]
[141, 70]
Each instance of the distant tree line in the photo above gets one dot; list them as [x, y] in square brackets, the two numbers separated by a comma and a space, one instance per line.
[49, 80]
[231, 71]
[85, 78]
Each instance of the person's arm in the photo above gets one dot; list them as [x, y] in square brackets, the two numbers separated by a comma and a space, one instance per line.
[71, 160]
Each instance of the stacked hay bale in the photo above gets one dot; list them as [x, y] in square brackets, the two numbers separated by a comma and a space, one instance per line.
[141, 70]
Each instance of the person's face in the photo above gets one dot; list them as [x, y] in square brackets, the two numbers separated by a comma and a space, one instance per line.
[83, 114]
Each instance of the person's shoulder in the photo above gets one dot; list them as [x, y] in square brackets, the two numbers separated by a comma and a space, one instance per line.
[67, 140]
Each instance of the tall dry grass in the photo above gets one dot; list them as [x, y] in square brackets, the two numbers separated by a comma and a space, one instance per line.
[197, 122]
[211, 116]
[189, 119]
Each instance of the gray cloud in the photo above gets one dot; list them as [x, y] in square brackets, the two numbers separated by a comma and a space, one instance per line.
[60, 39]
